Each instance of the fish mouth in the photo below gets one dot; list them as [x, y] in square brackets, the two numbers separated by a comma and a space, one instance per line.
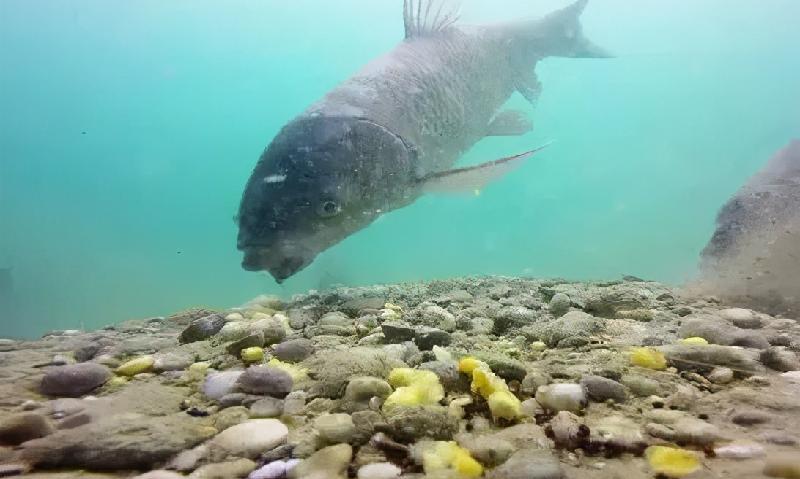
[280, 264]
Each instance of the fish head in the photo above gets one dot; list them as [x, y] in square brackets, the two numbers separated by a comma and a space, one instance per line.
[320, 180]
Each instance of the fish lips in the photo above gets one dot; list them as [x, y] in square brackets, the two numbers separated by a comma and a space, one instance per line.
[279, 263]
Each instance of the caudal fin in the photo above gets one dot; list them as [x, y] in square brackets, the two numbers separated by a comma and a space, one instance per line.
[560, 34]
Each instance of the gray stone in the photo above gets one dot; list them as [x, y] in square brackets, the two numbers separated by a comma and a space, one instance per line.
[447, 371]
[267, 407]
[641, 386]
[426, 338]
[254, 339]
[719, 331]
[750, 417]
[248, 439]
[294, 350]
[511, 317]
[559, 304]
[504, 366]
[332, 371]
[273, 330]
[743, 318]
[720, 375]
[397, 332]
[574, 329]
[780, 359]
[361, 390]
[218, 385]
[328, 463]
[601, 389]
[123, 441]
[410, 423]
[265, 380]
[532, 381]
[74, 380]
[172, 361]
[335, 428]
[202, 328]
[16, 429]
[529, 464]
[704, 358]
[440, 318]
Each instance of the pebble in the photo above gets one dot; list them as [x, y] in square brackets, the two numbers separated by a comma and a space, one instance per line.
[361, 390]
[272, 329]
[74, 380]
[739, 450]
[330, 462]
[294, 350]
[254, 339]
[440, 318]
[9, 470]
[641, 386]
[562, 397]
[274, 470]
[780, 359]
[379, 470]
[265, 380]
[136, 366]
[202, 329]
[742, 318]
[559, 304]
[397, 332]
[750, 417]
[792, 376]
[224, 470]
[16, 429]
[159, 474]
[426, 338]
[601, 389]
[266, 408]
[721, 375]
[218, 385]
[249, 439]
[335, 428]
[529, 464]
[533, 380]
[172, 361]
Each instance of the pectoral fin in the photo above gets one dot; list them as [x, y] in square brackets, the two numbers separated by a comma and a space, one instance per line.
[472, 178]
[528, 85]
[509, 123]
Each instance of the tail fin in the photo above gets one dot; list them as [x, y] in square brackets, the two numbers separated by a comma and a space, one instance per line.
[560, 34]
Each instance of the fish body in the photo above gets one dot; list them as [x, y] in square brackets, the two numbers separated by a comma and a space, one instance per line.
[394, 130]
[753, 257]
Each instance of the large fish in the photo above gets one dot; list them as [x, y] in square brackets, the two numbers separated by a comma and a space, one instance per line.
[394, 131]
[753, 257]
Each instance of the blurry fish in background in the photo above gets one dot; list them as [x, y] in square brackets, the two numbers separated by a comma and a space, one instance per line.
[393, 131]
[753, 258]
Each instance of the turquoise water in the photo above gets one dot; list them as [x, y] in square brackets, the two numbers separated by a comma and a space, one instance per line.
[128, 130]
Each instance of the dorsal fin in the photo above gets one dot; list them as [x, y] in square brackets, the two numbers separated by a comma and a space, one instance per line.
[423, 17]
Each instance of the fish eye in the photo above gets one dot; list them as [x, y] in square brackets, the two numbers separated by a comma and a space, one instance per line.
[328, 209]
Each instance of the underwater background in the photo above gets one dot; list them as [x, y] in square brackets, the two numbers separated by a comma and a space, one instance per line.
[128, 130]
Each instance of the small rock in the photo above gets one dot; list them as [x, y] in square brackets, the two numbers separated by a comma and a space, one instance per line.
[265, 380]
[361, 390]
[74, 380]
[202, 328]
[601, 389]
[328, 463]
[272, 329]
[136, 366]
[171, 361]
[426, 338]
[218, 385]
[574, 329]
[750, 417]
[641, 386]
[295, 403]
[253, 339]
[9, 470]
[16, 429]
[232, 331]
[439, 317]
[707, 357]
[559, 304]
[448, 374]
[159, 474]
[274, 470]
[562, 397]
[266, 408]
[335, 428]
[239, 468]
[409, 423]
[780, 359]
[249, 439]
[397, 332]
[529, 464]
[533, 380]
[721, 375]
[380, 470]
[294, 350]
[739, 450]
[742, 318]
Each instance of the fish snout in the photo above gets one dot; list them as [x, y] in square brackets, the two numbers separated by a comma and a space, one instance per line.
[280, 263]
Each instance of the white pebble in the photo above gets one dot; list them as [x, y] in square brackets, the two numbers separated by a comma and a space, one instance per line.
[274, 470]
[380, 470]
[740, 450]
[562, 397]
